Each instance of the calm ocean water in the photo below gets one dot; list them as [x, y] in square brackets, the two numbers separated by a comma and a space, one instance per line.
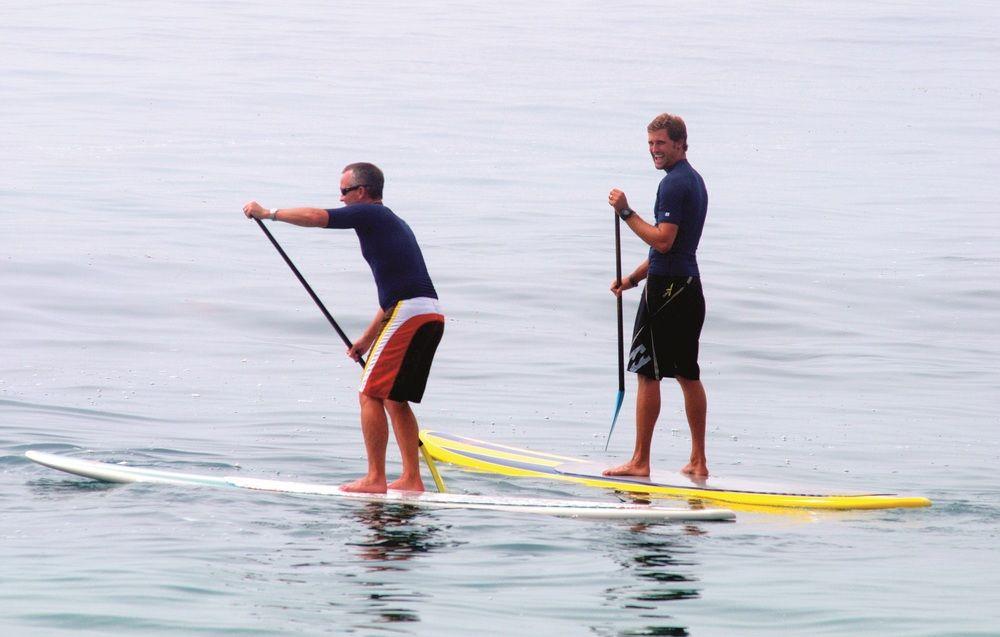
[849, 261]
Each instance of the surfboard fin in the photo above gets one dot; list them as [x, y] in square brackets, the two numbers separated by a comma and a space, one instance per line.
[438, 482]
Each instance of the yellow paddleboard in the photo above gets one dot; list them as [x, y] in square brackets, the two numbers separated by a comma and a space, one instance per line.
[511, 461]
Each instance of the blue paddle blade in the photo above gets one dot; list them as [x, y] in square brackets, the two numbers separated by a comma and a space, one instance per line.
[614, 418]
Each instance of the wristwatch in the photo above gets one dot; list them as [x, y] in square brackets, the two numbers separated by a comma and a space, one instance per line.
[274, 214]
[625, 213]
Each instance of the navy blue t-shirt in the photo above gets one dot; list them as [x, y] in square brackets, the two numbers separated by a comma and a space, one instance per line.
[390, 248]
[681, 199]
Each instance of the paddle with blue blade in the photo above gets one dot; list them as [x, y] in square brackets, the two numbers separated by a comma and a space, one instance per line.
[621, 331]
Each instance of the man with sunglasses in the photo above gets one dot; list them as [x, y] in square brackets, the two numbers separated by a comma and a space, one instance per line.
[405, 332]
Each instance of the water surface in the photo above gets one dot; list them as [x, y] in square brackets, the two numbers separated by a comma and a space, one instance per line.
[848, 260]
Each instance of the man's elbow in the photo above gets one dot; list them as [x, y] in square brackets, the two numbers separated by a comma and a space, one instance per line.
[663, 238]
[663, 247]
[318, 219]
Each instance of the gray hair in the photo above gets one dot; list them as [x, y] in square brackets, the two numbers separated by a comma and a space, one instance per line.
[369, 176]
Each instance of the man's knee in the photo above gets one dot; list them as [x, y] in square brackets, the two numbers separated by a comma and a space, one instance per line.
[645, 382]
[396, 406]
[691, 387]
[368, 401]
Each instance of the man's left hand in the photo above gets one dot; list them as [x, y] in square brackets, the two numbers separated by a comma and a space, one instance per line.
[254, 210]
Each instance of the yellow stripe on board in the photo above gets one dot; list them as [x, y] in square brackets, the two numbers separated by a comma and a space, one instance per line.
[509, 453]
[510, 461]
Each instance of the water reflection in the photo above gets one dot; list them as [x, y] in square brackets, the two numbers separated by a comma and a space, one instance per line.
[53, 488]
[661, 569]
[397, 533]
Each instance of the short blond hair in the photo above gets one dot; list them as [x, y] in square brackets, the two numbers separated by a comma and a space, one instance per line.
[673, 124]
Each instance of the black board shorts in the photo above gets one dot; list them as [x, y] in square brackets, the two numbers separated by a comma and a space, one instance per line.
[667, 328]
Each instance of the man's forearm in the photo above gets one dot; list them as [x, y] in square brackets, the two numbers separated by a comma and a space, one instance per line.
[640, 272]
[372, 330]
[307, 217]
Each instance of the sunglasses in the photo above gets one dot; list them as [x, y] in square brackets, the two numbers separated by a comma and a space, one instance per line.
[344, 191]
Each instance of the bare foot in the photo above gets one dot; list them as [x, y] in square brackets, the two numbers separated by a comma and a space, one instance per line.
[628, 469]
[364, 485]
[696, 469]
[406, 484]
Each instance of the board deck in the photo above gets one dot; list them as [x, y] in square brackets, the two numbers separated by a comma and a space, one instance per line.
[501, 459]
[564, 508]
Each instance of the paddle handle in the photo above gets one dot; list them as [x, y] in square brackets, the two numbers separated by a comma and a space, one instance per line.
[305, 284]
[621, 325]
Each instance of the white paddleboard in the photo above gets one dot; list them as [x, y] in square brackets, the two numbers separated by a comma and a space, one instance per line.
[106, 472]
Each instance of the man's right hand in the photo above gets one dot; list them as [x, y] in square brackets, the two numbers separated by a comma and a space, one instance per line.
[617, 200]
[359, 349]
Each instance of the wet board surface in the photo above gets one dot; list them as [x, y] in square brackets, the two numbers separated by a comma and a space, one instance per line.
[117, 473]
[502, 459]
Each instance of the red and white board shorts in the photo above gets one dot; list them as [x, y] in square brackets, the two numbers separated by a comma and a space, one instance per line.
[400, 361]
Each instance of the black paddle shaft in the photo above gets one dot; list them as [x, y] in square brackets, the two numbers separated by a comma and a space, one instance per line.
[621, 327]
[322, 308]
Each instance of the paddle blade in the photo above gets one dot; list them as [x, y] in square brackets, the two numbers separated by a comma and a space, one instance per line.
[614, 418]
